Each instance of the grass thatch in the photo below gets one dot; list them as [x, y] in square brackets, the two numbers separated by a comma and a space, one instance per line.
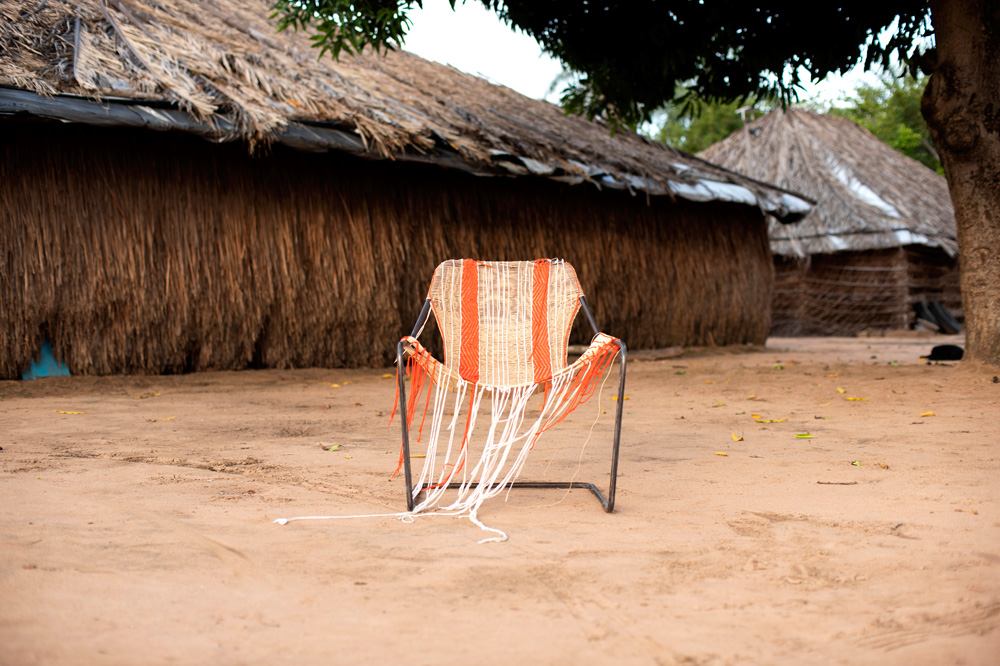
[881, 237]
[932, 275]
[836, 163]
[841, 294]
[849, 292]
[143, 252]
[149, 252]
[223, 62]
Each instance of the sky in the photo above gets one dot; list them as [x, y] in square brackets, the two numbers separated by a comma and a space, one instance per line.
[474, 40]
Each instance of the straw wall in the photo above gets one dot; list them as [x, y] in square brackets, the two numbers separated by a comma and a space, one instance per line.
[934, 276]
[136, 251]
[789, 296]
[849, 292]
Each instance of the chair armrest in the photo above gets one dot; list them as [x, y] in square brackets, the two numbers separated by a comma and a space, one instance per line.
[422, 319]
[590, 315]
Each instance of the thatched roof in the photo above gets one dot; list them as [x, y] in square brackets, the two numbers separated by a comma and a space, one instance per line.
[218, 69]
[868, 196]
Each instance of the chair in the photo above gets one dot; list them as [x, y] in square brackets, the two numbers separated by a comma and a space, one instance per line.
[505, 327]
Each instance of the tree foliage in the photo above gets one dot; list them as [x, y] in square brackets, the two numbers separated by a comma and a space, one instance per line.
[631, 53]
[890, 110]
[347, 25]
[698, 125]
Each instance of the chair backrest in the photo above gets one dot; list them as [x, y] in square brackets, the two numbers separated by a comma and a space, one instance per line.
[505, 323]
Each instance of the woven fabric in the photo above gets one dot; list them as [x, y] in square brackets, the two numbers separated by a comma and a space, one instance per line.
[505, 323]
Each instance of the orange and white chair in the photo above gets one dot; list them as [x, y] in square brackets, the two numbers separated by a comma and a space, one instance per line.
[505, 327]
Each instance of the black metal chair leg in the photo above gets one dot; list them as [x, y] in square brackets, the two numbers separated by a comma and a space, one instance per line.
[610, 506]
[537, 484]
[401, 377]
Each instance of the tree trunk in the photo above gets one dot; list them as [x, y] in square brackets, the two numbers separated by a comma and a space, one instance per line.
[962, 108]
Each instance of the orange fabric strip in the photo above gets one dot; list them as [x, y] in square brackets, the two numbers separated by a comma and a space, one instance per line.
[540, 322]
[416, 372]
[468, 364]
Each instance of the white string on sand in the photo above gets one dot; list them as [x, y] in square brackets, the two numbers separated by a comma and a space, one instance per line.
[285, 521]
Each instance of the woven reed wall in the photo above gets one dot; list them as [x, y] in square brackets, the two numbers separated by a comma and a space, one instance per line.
[849, 292]
[143, 252]
[789, 296]
[934, 276]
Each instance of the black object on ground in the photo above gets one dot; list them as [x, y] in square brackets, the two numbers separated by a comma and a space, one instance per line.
[946, 353]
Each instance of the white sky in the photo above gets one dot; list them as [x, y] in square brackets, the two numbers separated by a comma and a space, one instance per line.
[474, 40]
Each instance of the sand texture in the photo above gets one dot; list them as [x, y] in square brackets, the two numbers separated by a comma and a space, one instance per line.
[140, 530]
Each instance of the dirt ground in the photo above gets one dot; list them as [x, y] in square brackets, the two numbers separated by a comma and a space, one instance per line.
[137, 521]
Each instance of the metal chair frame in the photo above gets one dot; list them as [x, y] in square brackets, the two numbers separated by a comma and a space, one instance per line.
[608, 503]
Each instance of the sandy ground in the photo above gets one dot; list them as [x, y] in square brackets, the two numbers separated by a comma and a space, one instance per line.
[140, 530]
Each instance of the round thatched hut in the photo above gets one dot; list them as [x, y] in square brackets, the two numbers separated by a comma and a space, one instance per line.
[139, 233]
[880, 240]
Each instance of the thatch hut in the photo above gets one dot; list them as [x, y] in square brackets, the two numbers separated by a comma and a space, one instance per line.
[880, 240]
[139, 233]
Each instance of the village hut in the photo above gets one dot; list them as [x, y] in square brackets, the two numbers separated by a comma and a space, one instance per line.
[879, 247]
[182, 188]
